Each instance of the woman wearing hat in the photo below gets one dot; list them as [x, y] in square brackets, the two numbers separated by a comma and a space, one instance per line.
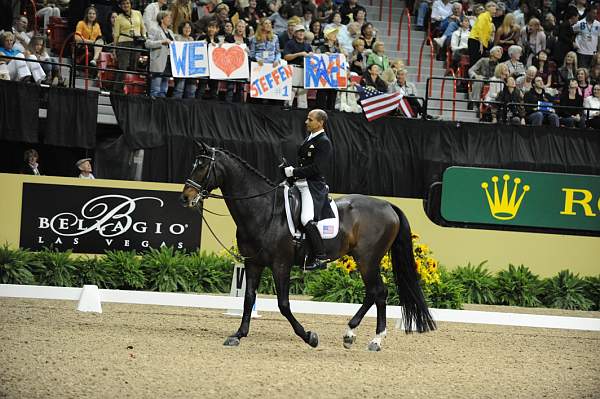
[85, 168]
[326, 97]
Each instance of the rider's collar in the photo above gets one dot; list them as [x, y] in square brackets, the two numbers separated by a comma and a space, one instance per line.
[314, 134]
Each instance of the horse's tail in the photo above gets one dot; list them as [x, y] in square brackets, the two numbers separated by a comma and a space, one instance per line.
[414, 306]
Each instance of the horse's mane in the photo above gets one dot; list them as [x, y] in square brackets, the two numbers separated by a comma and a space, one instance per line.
[248, 166]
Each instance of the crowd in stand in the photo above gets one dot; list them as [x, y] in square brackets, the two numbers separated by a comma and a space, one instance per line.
[531, 61]
[534, 61]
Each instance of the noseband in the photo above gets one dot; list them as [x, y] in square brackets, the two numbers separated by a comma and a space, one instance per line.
[203, 193]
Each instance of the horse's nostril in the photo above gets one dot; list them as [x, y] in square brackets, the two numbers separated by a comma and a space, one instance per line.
[183, 199]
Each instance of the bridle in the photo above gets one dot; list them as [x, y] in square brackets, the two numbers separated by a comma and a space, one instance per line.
[203, 193]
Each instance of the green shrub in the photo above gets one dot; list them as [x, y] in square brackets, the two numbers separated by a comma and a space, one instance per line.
[94, 270]
[127, 268]
[267, 284]
[591, 288]
[58, 267]
[209, 272]
[445, 294]
[335, 285]
[518, 286]
[16, 266]
[477, 282]
[166, 270]
[565, 291]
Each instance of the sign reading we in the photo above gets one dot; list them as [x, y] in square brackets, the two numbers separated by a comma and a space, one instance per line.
[189, 59]
[325, 71]
[520, 198]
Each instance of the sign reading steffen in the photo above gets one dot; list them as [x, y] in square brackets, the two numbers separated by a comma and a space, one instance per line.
[519, 198]
[96, 219]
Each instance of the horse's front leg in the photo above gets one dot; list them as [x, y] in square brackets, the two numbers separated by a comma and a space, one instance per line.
[253, 273]
[281, 275]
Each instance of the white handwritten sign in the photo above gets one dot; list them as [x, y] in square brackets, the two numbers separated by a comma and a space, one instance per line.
[189, 59]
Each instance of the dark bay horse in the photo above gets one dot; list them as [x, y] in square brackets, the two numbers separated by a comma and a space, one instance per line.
[369, 228]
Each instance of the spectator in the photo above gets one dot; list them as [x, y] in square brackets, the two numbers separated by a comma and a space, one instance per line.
[498, 18]
[408, 91]
[593, 104]
[129, 32]
[565, 36]
[507, 35]
[546, 69]
[367, 34]
[24, 71]
[88, 32]
[49, 10]
[277, 20]
[22, 37]
[483, 69]
[449, 25]
[511, 97]
[181, 11]
[264, 46]
[582, 8]
[440, 11]
[422, 13]
[251, 14]
[349, 9]
[550, 29]
[568, 70]
[307, 19]
[357, 59]
[371, 78]
[379, 57]
[521, 12]
[30, 165]
[239, 37]
[151, 12]
[158, 43]
[348, 35]
[38, 50]
[294, 53]
[228, 29]
[525, 83]
[533, 39]
[184, 87]
[326, 97]
[108, 35]
[325, 11]
[586, 41]
[497, 83]
[459, 44]
[315, 28]
[572, 116]
[85, 168]
[482, 33]
[212, 30]
[342, 31]
[584, 88]
[595, 74]
[538, 105]
[516, 68]
[360, 17]
[396, 65]
[289, 33]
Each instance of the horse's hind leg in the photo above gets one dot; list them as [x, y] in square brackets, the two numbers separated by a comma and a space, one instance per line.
[380, 303]
[281, 275]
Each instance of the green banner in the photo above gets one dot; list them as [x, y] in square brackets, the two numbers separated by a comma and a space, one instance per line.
[519, 198]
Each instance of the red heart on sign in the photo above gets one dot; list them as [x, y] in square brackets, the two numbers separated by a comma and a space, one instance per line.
[228, 60]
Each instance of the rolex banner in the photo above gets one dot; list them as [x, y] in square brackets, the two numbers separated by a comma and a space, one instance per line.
[519, 198]
[97, 219]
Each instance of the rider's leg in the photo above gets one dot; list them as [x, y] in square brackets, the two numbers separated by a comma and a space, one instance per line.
[310, 227]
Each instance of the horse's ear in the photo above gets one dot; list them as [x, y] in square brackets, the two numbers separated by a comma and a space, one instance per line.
[202, 146]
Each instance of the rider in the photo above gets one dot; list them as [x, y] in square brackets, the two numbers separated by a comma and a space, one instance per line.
[313, 156]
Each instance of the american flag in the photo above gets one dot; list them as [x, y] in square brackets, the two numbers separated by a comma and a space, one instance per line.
[376, 104]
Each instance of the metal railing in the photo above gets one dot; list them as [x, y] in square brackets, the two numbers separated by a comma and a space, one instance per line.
[407, 13]
[431, 58]
[58, 64]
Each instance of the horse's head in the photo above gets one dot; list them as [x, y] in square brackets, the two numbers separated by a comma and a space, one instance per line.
[202, 177]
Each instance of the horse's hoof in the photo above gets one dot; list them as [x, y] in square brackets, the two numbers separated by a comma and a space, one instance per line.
[232, 341]
[348, 341]
[374, 347]
[313, 339]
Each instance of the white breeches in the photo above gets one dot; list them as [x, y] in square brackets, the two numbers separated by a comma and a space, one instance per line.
[18, 69]
[308, 208]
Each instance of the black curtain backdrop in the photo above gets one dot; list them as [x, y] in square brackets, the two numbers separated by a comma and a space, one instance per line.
[19, 110]
[390, 156]
[72, 118]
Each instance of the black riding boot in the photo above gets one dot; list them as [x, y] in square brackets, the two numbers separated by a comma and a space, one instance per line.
[319, 261]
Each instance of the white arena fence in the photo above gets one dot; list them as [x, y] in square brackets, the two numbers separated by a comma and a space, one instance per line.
[90, 298]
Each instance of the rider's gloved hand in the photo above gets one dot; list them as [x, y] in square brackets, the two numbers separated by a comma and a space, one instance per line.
[289, 171]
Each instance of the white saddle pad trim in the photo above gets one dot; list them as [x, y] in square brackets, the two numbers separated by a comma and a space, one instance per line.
[328, 228]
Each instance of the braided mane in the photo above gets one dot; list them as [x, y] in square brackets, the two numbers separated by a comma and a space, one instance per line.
[248, 166]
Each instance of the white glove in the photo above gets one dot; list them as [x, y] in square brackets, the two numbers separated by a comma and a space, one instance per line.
[289, 171]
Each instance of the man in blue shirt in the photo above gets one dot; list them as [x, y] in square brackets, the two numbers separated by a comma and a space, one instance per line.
[294, 52]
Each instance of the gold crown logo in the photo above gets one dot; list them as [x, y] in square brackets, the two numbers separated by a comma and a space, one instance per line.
[503, 207]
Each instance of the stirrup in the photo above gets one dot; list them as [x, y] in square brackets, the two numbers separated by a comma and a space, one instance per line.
[318, 263]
